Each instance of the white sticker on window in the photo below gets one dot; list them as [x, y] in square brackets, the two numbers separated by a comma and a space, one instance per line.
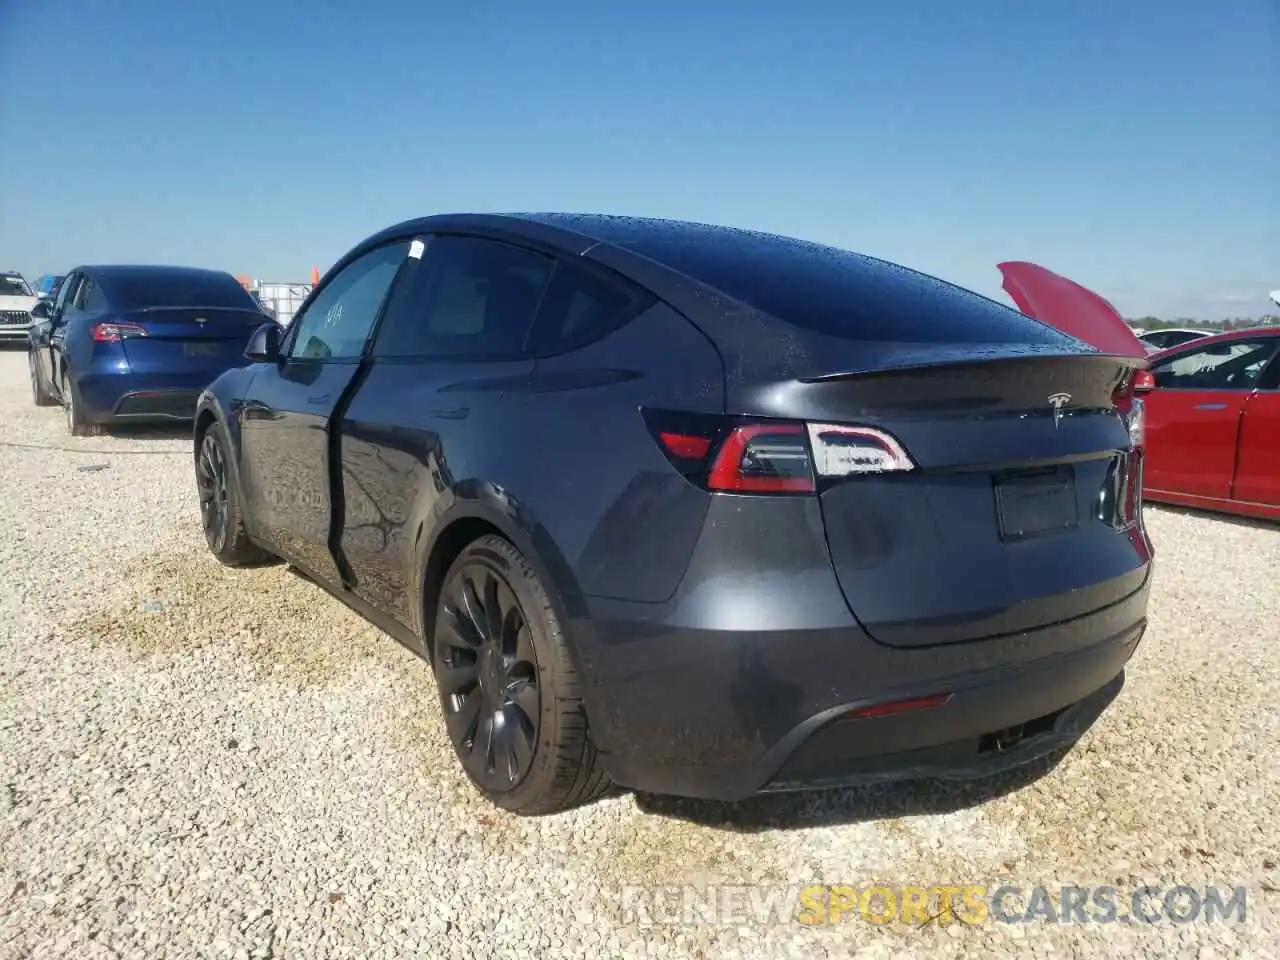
[416, 248]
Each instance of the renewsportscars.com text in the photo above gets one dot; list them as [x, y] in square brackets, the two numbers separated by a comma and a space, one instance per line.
[828, 904]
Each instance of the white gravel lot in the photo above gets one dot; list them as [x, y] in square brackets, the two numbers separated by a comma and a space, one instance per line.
[200, 762]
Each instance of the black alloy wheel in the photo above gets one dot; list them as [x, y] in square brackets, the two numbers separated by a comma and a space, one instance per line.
[211, 483]
[487, 672]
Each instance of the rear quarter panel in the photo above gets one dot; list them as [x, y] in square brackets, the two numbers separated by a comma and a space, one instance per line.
[560, 451]
[625, 520]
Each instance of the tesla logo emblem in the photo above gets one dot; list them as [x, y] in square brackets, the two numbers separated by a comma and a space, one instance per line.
[1058, 401]
[201, 321]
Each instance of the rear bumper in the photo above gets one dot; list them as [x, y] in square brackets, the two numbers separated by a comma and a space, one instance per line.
[691, 739]
[157, 405]
[130, 397]
[741, 684]
[982, 730]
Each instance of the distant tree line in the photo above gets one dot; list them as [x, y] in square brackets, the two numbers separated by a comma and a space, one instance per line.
[1231, 323]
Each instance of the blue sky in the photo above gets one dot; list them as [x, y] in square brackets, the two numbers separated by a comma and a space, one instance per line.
[1133, 145]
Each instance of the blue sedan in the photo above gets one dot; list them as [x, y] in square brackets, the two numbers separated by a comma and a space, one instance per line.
[123, 344]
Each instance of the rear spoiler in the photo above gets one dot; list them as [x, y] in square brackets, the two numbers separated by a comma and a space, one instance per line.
[893, 358]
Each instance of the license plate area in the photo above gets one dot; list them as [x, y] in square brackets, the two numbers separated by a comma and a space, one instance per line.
[1035, 504]
[200, 349]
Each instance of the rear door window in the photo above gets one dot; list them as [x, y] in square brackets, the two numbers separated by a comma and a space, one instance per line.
[471, 298]
[582, 305]
[67, 295]
[81, 301]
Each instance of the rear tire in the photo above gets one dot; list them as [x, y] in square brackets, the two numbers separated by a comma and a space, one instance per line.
[77, 425]
[39, 391]
[221, 506]
[509, 690]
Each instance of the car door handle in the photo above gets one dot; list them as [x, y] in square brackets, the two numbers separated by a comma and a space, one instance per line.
[1211, 406]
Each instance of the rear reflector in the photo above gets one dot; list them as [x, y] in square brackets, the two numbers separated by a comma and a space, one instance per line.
[899, 706]
[685, 446]
[741, 455]
[115, 332]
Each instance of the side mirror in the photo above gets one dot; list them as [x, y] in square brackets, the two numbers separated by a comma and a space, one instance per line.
[42, 310]
[1144, 381]
[264, 345]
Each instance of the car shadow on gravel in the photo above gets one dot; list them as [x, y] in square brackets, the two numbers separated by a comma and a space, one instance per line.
[162, 432]
[835, 807]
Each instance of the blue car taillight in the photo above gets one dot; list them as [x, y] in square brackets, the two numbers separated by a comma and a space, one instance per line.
[115, 332]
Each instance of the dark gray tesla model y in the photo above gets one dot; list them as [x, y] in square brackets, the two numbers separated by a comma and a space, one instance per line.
[694, 510]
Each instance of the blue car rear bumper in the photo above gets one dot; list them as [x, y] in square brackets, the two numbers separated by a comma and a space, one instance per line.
[127, 396]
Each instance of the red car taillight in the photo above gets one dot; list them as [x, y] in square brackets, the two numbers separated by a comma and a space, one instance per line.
[742, 455]
[115, 332]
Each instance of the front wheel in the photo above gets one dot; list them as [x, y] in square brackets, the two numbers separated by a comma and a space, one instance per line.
[508, 687]
[39, 392]
[221, 510]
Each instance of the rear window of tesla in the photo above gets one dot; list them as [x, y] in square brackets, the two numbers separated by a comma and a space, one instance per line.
[836, 292]
[178, 290]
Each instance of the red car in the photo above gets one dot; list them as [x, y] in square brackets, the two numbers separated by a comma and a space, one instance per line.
[1212, 405]
[1213, 423]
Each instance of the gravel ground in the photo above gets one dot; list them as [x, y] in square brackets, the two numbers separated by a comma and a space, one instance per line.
[199, 762]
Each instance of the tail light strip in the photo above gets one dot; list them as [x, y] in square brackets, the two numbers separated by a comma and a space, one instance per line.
[115, 332]
[727, 454]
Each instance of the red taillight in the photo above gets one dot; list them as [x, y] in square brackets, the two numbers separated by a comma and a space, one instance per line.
[763, 458]
[115, 332]
[899, 706]
[741, 455]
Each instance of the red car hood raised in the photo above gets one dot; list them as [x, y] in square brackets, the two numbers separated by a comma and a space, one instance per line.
[1071, 308]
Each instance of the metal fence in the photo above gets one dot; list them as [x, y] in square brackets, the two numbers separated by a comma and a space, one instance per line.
[282, 300]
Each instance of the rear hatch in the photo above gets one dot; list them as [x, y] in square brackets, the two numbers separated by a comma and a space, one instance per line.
[1018, 512]
[182, 339]
[1020, 505]
[1072, 308]
[975, 474]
